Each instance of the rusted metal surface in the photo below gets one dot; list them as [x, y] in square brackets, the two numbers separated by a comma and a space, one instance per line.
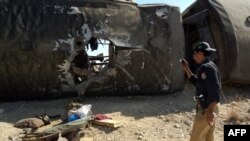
[41, 39]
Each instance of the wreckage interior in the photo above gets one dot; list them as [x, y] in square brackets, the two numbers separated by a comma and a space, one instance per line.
[94, 56]
[197, 28]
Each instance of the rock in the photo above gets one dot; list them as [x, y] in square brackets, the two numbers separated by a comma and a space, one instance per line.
[248, 110]
[137, 133]
[140, 137]
[177, 125]
[161, 117]
[167, 119]
[182, 135]
[234, 103]
[188, 123]
[247, 100]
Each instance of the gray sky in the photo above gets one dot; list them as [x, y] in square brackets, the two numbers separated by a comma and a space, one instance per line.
[183, 4]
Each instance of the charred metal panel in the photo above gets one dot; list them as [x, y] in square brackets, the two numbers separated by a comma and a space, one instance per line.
[154, 68]
[39, 42]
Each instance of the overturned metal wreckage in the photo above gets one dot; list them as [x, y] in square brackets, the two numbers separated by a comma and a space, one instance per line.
[225, 24]
[45, 44]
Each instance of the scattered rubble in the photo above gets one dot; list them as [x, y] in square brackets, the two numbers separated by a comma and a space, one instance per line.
[159, 122]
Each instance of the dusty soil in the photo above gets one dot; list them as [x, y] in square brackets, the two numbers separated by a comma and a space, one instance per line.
[146, 118]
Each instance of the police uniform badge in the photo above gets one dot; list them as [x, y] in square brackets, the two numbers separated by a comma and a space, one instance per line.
[203, 75]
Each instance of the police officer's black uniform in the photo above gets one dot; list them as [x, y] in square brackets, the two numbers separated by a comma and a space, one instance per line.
[208, 83]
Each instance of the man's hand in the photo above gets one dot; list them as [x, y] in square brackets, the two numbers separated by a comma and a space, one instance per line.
[211, 118]
[184, 63]
[211, 115]
[185, 67]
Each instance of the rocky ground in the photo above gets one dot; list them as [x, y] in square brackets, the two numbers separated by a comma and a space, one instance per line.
[145, 118]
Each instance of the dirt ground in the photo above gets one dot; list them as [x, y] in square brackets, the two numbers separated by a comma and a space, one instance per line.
[145, 118]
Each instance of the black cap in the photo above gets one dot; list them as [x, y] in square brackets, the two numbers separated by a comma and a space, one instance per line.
[203, 46]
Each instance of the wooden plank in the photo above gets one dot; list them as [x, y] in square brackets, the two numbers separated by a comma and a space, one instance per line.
[108, 122]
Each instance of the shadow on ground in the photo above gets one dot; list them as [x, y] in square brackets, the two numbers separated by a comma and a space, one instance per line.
[132, 106]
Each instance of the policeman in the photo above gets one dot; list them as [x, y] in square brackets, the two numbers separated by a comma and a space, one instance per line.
[208, 86]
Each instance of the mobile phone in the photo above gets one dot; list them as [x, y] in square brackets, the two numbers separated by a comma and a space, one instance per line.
[182, 61]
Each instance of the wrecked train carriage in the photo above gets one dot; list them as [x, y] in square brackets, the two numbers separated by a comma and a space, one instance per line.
[44, 41]
[225, 24]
